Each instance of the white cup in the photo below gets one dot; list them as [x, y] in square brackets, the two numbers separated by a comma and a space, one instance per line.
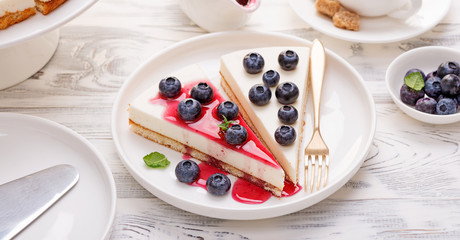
[218, 15]
[400, 9]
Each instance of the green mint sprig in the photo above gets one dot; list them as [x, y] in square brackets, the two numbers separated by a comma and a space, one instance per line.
[226, 124]
[156, 160]
[415, 81]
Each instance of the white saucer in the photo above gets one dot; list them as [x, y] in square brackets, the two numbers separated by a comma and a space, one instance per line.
[29, 144]
[348, 125]
[378, 29]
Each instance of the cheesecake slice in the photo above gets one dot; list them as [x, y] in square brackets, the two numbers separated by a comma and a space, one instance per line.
[155, 117]
[15, 11]
[263, 120]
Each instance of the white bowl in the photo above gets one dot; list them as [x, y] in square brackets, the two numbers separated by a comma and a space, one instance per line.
[427, 59]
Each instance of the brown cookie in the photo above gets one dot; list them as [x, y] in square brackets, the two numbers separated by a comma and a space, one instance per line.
[327, 7]
[346, 20]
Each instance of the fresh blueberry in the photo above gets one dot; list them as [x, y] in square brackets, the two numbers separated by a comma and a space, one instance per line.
[458, 99]
[287, 93]
[446, 106]
[285, 135]
[202, 92]
[187, 171]
[409, 95]
[450, 85]
[287, 114]
[415, 70]
[433, 87]
[432, 74]
[260, 94]
[449, 67]
[228, 109]
[253, 63]
[170, 87]
[189, 109]
[427, 105]
[236, 134]
[271, 78]
[288, 60]
[218, 184]
[441, 97]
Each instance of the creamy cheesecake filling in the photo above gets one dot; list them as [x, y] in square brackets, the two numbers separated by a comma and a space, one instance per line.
[264, 119]
[151, 111]
[12, 6]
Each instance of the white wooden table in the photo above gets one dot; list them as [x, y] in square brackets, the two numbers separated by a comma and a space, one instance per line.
[407, 188]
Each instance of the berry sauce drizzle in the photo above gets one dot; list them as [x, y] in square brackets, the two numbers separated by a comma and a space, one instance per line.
[243, 191]
[246, 3]
[206, 171]
[207, 124]
[248, 193]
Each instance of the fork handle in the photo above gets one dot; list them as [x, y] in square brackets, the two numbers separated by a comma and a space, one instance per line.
[317, 67]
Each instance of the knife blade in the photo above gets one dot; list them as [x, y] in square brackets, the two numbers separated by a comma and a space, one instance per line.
[26, 198]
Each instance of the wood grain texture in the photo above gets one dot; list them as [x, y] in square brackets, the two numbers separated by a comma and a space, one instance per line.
[407, 188]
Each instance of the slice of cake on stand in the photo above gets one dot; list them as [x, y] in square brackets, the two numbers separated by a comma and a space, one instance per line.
[47, 6]
[15, 11]
[270, 86]
[184, 112]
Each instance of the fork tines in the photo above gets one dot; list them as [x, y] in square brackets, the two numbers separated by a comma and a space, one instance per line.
[316, 163]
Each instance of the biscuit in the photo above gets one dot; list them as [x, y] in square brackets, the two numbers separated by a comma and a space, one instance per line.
[327, 7]
[346, 20]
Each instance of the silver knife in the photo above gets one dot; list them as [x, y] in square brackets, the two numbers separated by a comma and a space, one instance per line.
[24, 199]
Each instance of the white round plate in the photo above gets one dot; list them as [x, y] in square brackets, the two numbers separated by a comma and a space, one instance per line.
[29, 144]
[377, 29]
[348, 125]
[426, 59]
[39, 24]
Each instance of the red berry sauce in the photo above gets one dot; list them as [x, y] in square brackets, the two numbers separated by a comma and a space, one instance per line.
[246, 3]
[248, 193]
[206, 170]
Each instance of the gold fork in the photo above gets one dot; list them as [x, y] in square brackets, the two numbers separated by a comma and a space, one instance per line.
[316, 151]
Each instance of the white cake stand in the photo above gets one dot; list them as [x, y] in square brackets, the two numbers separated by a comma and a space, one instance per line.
[19, 62]
[26, 47]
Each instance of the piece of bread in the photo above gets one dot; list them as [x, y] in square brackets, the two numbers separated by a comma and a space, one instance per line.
[327, 7]
[49, 6]
[346, 20]
[12, 18]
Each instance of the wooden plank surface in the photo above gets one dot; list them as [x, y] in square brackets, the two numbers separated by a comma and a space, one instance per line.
[407, 188]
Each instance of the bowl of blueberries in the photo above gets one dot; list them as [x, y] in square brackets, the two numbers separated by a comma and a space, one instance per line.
[425, 84]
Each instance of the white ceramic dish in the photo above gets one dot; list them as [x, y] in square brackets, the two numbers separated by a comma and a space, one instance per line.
[348, 125]
[29, 144]
[40, 24]
[426, 59]
[376, 29]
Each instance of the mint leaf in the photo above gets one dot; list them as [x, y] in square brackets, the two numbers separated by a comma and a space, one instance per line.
[156, 160]
[226, 124]
[415, 81]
